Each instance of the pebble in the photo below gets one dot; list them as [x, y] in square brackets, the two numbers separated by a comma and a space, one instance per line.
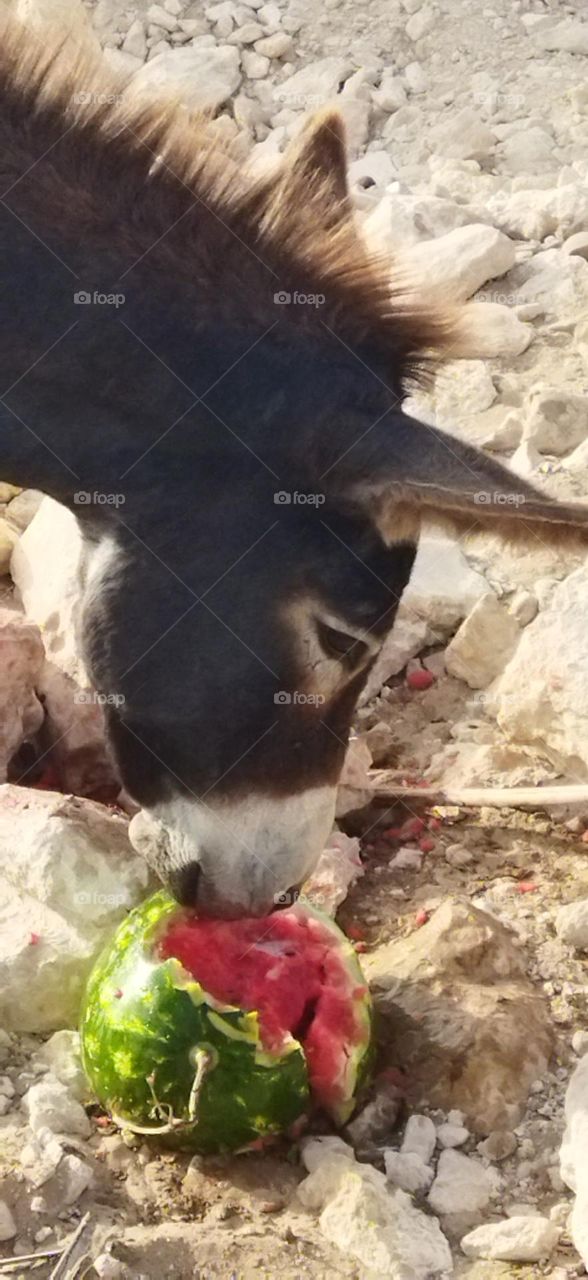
[512, 1240]
[462, 1185]
[580, 1043]
[7, 1223]
[452, 1135]
[255, 65]
[420, 1137]
[408, 1171]
[49, 1105]
[499, 1145]
[572, 924]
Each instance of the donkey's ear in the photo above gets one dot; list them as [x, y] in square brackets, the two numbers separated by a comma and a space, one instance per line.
[401, 471]
[316, 162]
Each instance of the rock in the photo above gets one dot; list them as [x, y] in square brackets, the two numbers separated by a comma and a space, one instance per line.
[578, 243]
[337, 868]
[279, 45]
[8, 1226]
[421, 22]
[49, 1105]
[500, 428]
[484, 644]
[416, 80]
[464, 387]
[580, 1042]
[541, 699]
[135, 41]
[69, 17]
[254, 66]
[574, 1155]
[401, 219]
[572, 924]
[21, 660]
[40, 1158]
[247, 34]
[442, 588]
[161, 18]
[494, 330]
[557, 421]
[463, 137]
[407, 638]
[420, 1138]
[373, 169]
[202, 79]
[74, 1177]
[355, 784]
[557, 281]
[462, 1185]
[567, 36]
[373, 1126]
[22, 508]
[314, 85]
[458, 1012]
[47, 565]
[406, 859]
[461, 261]
[391, 94]
[68, 875]
[315, 1151]
[8, 539]
[499, 1145]
[529, 151]
[452, 1135]
[381, 1228]
[512, 1240]
[407, 1171]
[61, 1052]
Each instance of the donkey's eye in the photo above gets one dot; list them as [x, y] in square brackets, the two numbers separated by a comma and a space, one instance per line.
[344, 648]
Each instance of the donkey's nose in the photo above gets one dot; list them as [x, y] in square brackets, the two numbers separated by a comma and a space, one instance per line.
[184, 884]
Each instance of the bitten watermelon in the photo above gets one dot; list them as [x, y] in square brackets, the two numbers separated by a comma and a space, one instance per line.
[216, 1034]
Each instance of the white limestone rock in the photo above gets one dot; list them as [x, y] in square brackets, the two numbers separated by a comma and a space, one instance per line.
[315, 84]
[462, 1185]
[406, 1169]
[568, 36]
[484, 644]
[419, 1138]
[572, 924]
[518, 1239]
[68, 875]
[463, 137]
[50, 1105]
[556, 420]
[542, 696]
[574, 1154]
[462, 261]
[8, 1227]
[202, 79]
[21, 661]
[495, 330]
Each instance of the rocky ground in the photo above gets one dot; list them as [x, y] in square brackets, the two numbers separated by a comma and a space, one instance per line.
[467, 131]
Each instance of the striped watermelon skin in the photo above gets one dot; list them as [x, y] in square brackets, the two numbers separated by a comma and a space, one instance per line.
[147, 1027]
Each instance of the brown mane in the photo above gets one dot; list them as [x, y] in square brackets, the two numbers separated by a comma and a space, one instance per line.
[156, 185]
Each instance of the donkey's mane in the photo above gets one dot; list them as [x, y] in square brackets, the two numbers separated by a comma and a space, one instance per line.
[83, 156]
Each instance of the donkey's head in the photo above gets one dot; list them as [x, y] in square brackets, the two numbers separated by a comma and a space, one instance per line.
[254, 490]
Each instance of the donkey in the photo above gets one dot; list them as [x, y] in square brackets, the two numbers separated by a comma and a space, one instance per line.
[209, 370]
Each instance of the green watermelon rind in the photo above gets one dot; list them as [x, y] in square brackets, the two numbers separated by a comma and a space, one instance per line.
[143, 1021]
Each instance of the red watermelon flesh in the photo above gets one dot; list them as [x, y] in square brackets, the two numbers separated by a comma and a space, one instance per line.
[287, 967]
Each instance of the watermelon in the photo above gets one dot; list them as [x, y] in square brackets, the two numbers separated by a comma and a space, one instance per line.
[215, 1034]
